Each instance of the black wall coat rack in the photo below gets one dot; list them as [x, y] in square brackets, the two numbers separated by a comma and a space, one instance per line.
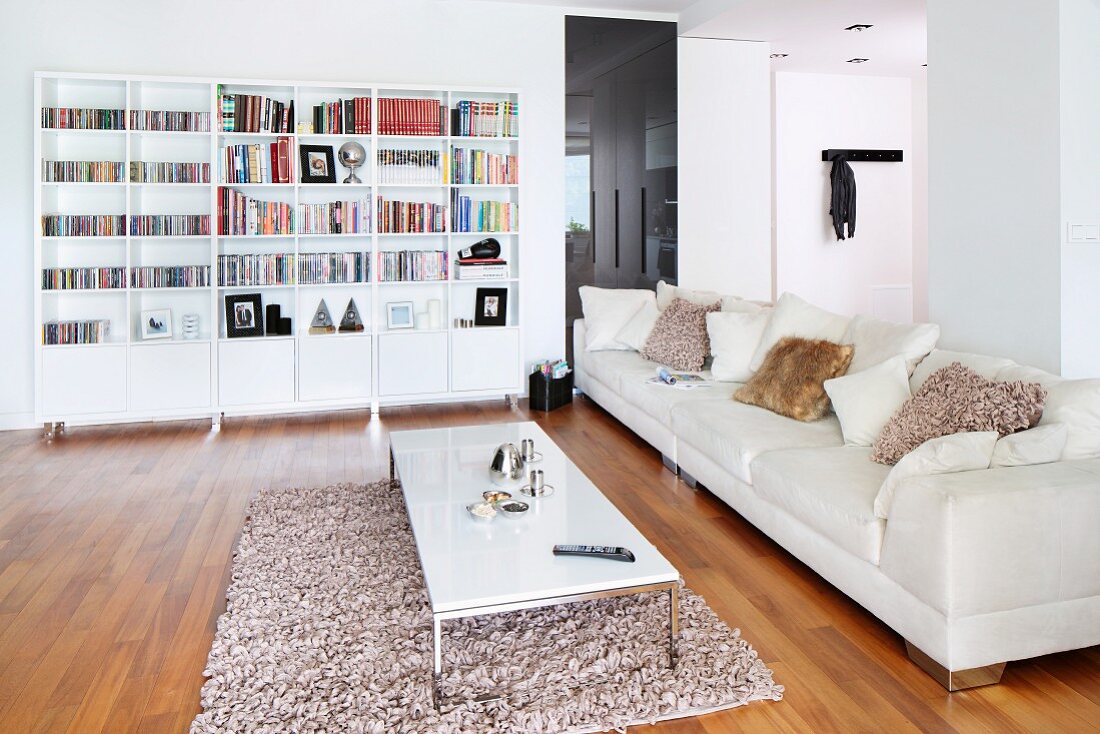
[854, 155]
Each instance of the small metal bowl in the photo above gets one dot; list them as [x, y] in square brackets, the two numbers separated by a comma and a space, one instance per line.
[481, 518]
[511, 508]
[496, 495]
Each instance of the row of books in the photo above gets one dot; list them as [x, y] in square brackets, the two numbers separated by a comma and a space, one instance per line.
[258, 162]
[92, 331]
[316, 268]
[170, 121]
[403, 217]
[482, 167]
[242, 215]
[342, 117]
[487, 269]
[409, 166]
[254, 113]
[168, 172]
[269, 269]
[83, 118]
[65, 279]
[335, 217]
[169, 225]
[83, 225]
[412, 265]
[468, 215]
[170, 276]
[405, 116]
[485, 119]
[82, 171]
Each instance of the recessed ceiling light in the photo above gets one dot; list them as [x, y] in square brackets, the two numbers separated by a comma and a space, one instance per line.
[857, 61]
[778, 56]
[859, 27]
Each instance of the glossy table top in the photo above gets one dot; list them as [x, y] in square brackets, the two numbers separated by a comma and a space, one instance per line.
[469, 563]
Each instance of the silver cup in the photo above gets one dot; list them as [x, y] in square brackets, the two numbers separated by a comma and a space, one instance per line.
[527, 448]
[538, 481]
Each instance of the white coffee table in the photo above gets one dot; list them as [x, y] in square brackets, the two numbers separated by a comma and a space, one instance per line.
[473, 568]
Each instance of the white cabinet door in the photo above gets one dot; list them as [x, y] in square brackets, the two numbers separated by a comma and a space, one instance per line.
[485, 359]
[334, 367]
[170, 376]
[256, 371]
[412, 364]
[79, 380]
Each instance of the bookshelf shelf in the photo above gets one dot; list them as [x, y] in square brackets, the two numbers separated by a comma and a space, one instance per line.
[127, 378]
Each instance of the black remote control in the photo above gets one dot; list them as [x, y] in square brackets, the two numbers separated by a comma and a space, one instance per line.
[615, 553]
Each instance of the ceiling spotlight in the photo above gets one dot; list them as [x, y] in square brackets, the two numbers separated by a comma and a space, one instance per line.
[857, 61]
[858, 27]
[778, 56]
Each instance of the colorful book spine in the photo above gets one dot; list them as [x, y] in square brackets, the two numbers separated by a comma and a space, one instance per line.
[83, 225]
[469, 166]
[170, 276]
[342, 117]
[254, 113]
[265, 269]
[83, 118]
[469, 215]
[82, 171]
[168, 172]
[239, 214]
[410, 166]
[412, 265]
[93, 331]
[409, 217]
[316, 268]
[257, 162]
[169, 225]
[73, 279]
[485, 119]
[170, 121]
[336, 217]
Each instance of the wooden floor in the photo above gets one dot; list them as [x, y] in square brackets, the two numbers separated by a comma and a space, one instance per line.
[115, 546]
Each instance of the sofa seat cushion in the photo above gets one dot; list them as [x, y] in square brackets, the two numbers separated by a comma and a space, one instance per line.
[733, 434]
[657, 401]
[832, 490]
[609, 367]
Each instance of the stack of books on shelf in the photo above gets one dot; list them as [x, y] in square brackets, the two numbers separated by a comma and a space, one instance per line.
[83, 118]
[272, 269]
[169, 225]
[335, 217]
[483, 167]
[318, 268]
[254, 113]
[485, 119]
[411, 265]
[405, 217]
[468, 215]
[342, 117]
[82, 171]
[83, 225]
[482, 269]
[170, 276]
[409, 166]
[242, 215]
[168, 121]
[94, 331]
[405, 116]
[93, 278]
[167, 172]
[258, 162]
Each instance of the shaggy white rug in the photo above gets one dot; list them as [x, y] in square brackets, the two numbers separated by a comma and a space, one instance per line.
[328, 629]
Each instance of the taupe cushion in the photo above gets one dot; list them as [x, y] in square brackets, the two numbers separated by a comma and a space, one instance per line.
[679, 338]
[791, 380]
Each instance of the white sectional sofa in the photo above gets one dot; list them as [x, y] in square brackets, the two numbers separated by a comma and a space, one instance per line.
[973, 569]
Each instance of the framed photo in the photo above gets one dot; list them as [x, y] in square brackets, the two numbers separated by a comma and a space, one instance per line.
[399, 315]
[156, 324]
[244, 316]
[491, 307]
[318, 165]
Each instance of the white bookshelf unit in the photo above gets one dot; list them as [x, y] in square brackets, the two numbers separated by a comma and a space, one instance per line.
[124, 377]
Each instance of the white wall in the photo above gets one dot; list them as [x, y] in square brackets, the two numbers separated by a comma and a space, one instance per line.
[920, 197]
[412, 41]
[724, 134]
[814, 112]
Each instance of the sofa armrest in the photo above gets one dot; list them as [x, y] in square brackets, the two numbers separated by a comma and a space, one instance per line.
[578, 354]
[997, 539]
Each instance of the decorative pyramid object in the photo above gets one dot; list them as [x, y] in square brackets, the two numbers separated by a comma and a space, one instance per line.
[322, 321]
[351, 320]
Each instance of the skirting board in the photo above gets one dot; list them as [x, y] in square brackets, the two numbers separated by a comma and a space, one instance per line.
[17, 421]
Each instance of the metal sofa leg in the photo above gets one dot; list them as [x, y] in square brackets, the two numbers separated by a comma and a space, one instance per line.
[670, 464]
[688, 479]
[955, 680]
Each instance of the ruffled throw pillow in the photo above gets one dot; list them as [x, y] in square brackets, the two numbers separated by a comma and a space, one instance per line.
[679, 338]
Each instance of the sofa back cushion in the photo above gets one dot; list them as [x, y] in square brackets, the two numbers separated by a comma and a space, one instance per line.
[791, 381]
[794, 317]
[606, 312]
[876, 341]
[733, 340]
[1073, 402]
[666, 294]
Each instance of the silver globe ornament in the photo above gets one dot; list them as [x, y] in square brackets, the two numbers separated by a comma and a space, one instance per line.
[352, 155]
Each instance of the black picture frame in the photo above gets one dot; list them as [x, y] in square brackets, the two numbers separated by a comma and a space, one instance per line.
[317, 163]
[491, 307]
[244, 315]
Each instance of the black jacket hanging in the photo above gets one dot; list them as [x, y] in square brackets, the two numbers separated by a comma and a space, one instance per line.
[843, 203]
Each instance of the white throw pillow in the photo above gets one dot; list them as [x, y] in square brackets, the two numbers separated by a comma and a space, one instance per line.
[641, 323]
[794, 317]
[944, 455]
[1040, 445]
[877, 341]
[1073, 402]
[865, 401]
[666, 294]
[606, 312]
[733, 340]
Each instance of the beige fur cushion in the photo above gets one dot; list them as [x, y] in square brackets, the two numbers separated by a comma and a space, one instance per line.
[791, 380]
[956, 399]
[679, 338]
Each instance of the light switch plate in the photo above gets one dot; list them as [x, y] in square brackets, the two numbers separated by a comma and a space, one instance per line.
[1083, 232]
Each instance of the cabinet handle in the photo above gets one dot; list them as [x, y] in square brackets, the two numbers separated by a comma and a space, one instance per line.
[643, 232]
[592, 221]
[616, 228]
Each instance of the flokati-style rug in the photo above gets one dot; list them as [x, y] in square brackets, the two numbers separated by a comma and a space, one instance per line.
[328, 629]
